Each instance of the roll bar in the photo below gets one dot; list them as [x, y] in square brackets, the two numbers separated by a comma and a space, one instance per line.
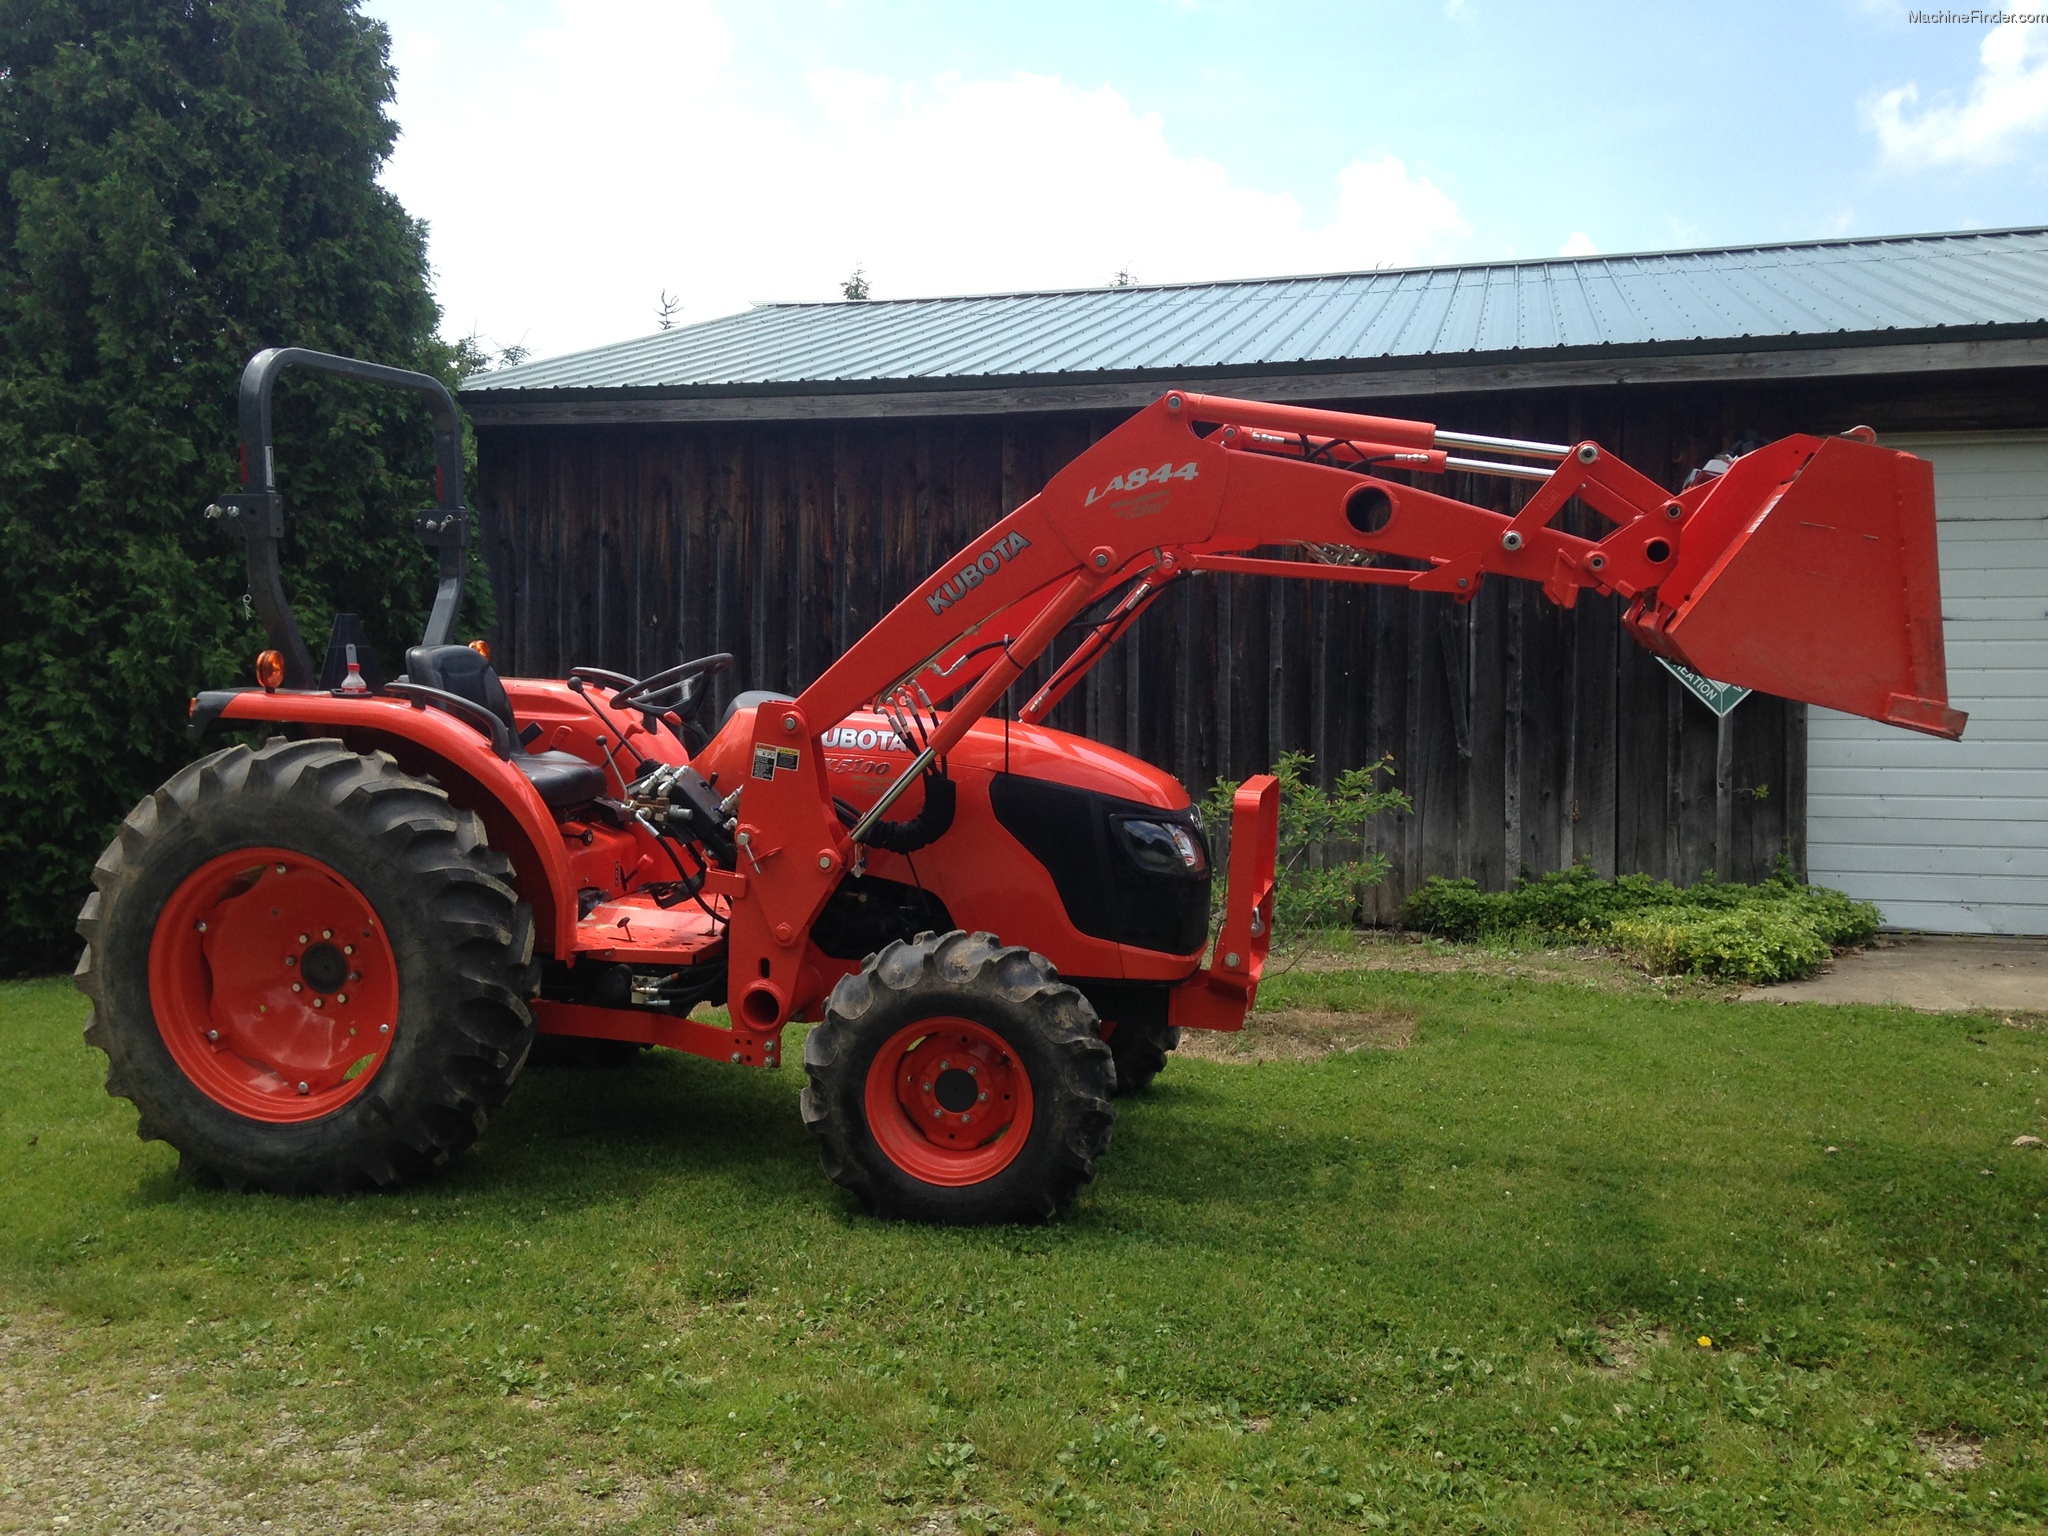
[257, 510]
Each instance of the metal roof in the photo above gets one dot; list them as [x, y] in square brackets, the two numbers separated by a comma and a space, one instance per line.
[1826, 292]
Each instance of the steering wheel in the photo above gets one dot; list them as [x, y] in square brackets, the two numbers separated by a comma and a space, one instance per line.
[668, 690]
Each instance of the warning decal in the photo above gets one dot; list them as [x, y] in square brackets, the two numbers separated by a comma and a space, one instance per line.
[768, 761]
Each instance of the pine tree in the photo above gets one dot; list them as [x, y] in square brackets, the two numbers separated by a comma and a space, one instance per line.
[182, 182]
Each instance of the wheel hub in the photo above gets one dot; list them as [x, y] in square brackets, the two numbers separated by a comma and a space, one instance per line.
[948, 1102]
[274, 986]
[955, 1089]
[324, 967]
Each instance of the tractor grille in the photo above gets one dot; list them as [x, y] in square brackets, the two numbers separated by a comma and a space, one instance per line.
[1083, 840]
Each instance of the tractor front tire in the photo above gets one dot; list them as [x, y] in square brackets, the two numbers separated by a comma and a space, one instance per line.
[957, 1080]
[1139, 1050]
[308, 970]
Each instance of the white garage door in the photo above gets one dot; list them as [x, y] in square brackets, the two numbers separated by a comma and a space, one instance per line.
[1952, 837]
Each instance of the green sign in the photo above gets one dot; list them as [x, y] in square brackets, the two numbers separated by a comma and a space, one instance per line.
[1719, 697]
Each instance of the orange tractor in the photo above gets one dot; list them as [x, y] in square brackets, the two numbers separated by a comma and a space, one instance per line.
[321, 963]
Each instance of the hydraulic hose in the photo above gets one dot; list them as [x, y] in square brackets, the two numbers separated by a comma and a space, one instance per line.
[941, 799]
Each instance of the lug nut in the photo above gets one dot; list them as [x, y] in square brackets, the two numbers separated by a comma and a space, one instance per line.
[982, 1100]
[927, 1087]
[944, 1065]
[302, 1088]
[297, 987]
[383, 1029]
[341, 997]
[348, 949]
[305, 938]
[326, 933]
[355, 975]
[291, 960]
[213, 1034]
[202, 927]
[972, 1071]
[319, 1002]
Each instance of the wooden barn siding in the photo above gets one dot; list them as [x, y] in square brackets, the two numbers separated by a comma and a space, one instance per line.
[1529, 736]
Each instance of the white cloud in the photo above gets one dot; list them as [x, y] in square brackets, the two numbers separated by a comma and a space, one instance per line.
[2008, 99]
[1579, 244]
[617, 153]
[1384, 213]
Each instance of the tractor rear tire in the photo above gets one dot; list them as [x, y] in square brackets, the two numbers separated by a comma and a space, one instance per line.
[308, 970]
[1139, 1050]
[957, 1080]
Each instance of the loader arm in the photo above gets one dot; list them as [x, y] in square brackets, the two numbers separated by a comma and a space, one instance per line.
[1808, 570]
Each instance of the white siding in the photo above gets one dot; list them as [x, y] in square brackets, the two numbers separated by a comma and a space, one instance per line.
[1953, 836]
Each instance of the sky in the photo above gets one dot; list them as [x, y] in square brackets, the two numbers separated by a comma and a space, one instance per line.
[579, 162]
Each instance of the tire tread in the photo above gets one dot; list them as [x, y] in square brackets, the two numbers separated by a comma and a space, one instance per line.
[957, 967]
[480, 1034]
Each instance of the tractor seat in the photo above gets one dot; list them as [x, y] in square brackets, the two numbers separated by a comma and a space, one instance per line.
[559, 778]
[753, 698]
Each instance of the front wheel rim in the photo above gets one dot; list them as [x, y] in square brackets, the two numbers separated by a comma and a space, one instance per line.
[948, 1101]
[274, 984]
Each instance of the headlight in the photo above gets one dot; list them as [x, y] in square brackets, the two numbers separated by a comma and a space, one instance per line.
[1164, 847]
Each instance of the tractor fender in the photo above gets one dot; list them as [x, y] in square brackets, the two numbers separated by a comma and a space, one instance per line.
[430, 742]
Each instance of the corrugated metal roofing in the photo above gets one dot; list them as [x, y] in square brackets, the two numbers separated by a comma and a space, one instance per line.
[1823, 290]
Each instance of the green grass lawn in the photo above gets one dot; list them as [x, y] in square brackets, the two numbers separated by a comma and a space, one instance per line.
[1457, 1286]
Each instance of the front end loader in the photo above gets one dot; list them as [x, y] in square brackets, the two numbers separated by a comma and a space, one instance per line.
[320, 963]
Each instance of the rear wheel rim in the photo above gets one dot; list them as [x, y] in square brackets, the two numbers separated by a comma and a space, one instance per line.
[948, 1101]
[274, 985]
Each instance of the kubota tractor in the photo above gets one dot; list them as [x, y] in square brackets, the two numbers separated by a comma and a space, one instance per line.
[320, 963]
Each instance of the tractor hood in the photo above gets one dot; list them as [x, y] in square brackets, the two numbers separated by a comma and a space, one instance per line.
[863, 750]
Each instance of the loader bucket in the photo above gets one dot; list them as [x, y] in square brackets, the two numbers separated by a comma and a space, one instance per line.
[1809, 570]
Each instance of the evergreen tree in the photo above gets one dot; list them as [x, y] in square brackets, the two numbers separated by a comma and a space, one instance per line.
[183, 182]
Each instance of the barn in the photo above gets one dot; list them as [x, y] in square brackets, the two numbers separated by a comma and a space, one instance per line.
[771, 482]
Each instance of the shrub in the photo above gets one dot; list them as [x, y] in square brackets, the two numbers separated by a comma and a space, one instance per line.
[1763, 943]
[180, 185]
[1322, 874]
[1773, 931]
[1453, 909]
[1837, 919]
[1572, 903]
